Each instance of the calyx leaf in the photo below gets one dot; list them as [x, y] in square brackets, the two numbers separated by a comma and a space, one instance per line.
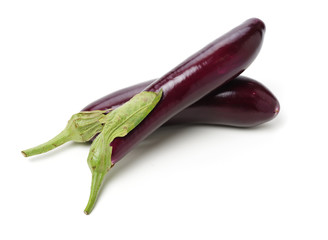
[118, 123]
[82, 127]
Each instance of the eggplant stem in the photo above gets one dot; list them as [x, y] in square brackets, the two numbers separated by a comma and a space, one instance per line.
[82, 127]
[60, 139]
[97, 179]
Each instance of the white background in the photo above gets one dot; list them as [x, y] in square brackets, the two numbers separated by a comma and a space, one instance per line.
[197, 182]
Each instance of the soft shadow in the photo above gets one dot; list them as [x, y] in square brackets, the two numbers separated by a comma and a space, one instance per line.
[268, 126]
[166, 134]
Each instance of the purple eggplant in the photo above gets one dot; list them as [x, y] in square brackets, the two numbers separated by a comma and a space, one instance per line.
[217, 63]
[241, 102]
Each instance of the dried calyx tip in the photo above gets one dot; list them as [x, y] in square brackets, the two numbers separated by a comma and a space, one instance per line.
[24, 154]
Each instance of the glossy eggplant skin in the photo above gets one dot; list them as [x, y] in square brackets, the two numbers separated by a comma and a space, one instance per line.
[220, 61]
[241, 102]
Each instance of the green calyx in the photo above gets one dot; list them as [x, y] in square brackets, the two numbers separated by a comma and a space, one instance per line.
[118, 123]
[82, 127]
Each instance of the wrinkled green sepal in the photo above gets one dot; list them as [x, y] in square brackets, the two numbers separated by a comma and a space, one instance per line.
[82, 127]
[118, 123]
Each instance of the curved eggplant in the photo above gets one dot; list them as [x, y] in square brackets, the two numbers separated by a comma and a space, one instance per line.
[217, 63]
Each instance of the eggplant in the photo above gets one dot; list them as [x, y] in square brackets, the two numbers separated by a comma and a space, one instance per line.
[220, 61]
[217, 63]
[241, 102]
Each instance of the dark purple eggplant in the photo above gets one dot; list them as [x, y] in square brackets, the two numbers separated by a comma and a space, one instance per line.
[217, 63]
[241, 102]
[220, 61]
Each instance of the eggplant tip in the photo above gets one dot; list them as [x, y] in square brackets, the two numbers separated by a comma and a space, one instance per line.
[258, 22]
[277, 109]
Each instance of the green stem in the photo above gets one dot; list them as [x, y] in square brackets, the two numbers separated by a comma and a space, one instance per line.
[80, 128]
[97, 179]
[60, 139]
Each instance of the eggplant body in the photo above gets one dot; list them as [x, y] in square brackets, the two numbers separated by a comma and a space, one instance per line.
[220, 61]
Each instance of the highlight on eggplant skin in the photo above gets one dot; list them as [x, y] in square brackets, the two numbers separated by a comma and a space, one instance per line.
[241, 102]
